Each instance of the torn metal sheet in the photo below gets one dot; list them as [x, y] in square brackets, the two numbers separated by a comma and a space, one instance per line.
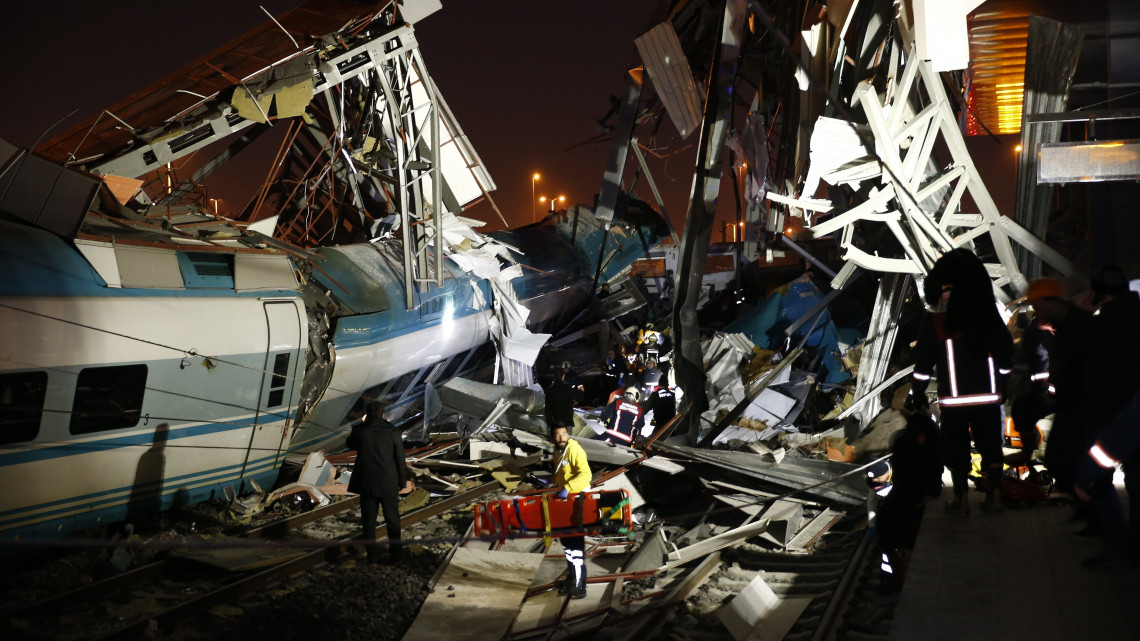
[668, 68]
[518, 407]
[826, 479]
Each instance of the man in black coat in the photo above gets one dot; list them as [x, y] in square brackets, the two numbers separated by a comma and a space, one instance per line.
[379, 477]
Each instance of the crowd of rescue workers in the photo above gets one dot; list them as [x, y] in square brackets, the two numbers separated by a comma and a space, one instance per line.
[982, 391]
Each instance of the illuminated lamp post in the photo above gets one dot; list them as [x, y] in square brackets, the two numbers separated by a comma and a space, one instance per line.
[560, 199]
[533, 214]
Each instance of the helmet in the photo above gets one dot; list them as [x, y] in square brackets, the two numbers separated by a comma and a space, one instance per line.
[1044, 288]
[633, 394]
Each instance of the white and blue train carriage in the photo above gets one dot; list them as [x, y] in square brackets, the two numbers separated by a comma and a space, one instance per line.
[135, 378]
[379, 349]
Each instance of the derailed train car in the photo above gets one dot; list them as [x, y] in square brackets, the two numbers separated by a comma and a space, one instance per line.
[139, 372]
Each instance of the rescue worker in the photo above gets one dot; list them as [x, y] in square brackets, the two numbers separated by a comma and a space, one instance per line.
[663, 403]
[623, 418]
[1068, 437]
[651, 377]
[572, 475]
[1036, 401]
[915, 475]
[1117, 444]
[560, 398]
[647, 341]
[969, 345]
[616, 370]
[1110, 387]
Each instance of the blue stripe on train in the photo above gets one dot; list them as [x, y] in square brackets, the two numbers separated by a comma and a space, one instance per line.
[16, 457]
[94, 510]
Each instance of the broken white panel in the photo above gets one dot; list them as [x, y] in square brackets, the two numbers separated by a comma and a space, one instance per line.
[463, 171]
[834, 144]
[940, 32]
[699, 549]
[484, 590]
[316, 470]
[265, 226]
[757, 614]
[315, 493]
[772, 406]
[668, 68]
[515, 341]
[808, 50]
[412, 11]
[478, 262]
[102, 257]
[456, 230]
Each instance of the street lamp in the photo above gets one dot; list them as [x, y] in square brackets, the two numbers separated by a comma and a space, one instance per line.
[560, 199]
[533, 214]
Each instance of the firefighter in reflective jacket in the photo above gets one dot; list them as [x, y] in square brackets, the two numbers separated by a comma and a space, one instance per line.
[1116, 445]
[572, 475]
[623, 418]
[972, 350]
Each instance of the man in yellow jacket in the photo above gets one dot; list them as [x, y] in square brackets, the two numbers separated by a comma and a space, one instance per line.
[571, 475]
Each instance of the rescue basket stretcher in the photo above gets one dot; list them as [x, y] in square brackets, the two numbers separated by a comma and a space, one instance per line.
[545, 515]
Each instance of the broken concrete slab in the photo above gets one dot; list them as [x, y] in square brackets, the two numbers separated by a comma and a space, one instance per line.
[757, 614]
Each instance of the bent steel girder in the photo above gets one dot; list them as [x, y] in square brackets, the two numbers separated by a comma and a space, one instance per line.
[917, 197]
[369, 136]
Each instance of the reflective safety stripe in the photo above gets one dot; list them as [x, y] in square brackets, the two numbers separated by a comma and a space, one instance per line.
[885, 566]
[618, 434]
[1039, 376]
[1101, 456]
[971, 399]
[921, 377]
[950, 363]
[1003, 371]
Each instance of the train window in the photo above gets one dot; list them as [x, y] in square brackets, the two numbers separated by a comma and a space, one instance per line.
[21, 405]
[108, 398]
[277, 385]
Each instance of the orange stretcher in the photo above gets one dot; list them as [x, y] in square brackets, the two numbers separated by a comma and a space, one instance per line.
[545, 515]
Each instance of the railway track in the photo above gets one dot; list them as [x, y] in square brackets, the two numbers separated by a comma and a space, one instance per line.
[180, 592]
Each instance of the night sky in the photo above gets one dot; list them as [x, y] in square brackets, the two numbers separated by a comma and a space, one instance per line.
[525, 79]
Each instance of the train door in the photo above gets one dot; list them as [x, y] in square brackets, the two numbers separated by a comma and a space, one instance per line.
[279, 379]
